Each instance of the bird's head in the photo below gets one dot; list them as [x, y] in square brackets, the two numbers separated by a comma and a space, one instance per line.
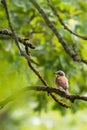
[59, 73]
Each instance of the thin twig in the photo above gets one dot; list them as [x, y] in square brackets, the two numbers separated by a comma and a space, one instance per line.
[37, 73]
[21, 40]
[60, 102]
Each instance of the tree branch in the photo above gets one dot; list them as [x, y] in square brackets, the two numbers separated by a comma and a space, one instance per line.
[73, 54]
[62, 23]
[49, 89]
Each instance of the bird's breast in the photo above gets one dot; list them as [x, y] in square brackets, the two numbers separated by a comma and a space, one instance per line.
[62, 82]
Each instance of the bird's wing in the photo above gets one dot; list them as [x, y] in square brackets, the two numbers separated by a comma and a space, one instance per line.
[62, 82]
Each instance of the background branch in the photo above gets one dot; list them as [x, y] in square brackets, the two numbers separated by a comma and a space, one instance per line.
[62, 23]
[73, 54]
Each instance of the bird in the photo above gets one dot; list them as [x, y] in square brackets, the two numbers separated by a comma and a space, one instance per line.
[61, 81]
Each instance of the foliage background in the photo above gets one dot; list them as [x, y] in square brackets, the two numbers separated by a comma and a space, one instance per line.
[36, 110]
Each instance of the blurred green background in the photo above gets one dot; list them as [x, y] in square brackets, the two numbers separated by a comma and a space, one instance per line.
[36, 110]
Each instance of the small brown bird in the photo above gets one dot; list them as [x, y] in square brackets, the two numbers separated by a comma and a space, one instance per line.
[61, 81]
